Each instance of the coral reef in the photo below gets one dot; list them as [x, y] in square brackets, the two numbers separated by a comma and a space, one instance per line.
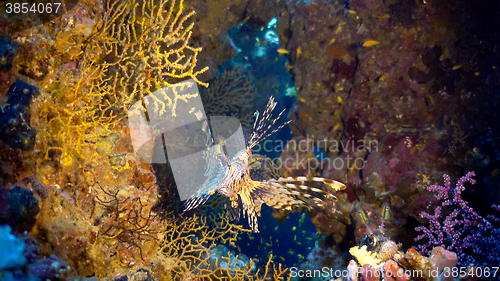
[12, 249]
[345, 106]
[114, 73]
[225, 263]
[23, 207]
[214, 20]
[463, 230]
[15, 118]
[21, 259]
[49, 268]
[190, 244]
[98, 204]
[371, 265]
[382, 92]
[230, 93]
[386, 95]
[8, 50]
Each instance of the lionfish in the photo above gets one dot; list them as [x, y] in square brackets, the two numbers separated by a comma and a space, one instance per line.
[232, 179]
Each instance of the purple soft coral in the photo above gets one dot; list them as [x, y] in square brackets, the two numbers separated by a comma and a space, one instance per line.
[460, 230]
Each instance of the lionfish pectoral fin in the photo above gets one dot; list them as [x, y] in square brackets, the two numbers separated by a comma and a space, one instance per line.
[232, 209]
[208, 189]
[286, 193]
[276, 195]
[249, 209]
[195, 201]
[335, 185]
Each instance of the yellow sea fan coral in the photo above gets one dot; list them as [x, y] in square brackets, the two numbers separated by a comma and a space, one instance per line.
[136, 48]
[188, 241]
[147, 48]
[231, 92]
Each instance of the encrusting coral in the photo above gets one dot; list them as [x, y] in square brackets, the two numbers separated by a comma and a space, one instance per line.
[15, 116]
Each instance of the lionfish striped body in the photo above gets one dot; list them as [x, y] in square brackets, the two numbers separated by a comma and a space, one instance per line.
[233, 180]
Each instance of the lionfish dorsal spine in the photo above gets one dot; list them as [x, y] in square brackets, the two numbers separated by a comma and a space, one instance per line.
[260, 130]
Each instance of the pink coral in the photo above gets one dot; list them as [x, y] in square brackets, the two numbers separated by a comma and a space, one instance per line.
[352, 269]
[394, 270]
[443, 259]
[369, 273]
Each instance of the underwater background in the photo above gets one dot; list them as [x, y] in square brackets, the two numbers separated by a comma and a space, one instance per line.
[399, 100]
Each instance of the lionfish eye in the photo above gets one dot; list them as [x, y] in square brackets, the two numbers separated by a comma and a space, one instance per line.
[242, 175]
[370, 241]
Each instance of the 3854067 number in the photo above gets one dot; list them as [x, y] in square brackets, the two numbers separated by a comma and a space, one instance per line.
[24, 8]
